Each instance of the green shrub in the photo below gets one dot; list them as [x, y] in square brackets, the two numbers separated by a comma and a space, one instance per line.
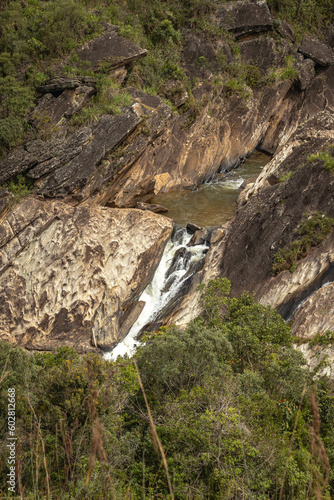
[313, 231]
[324, 340]
[20, 186]
[286, 176]
[325, 157]
[253, 76]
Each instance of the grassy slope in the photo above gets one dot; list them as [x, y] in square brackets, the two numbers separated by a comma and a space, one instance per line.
[37, 35]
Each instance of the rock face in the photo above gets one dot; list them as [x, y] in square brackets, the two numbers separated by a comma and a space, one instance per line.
[316, 50]
[244, 18]
[186, 155]
[72, 273]
[263, 52]
[272, 212]
[316, 314]
[110, 51]
[266, 220]
[71, 276]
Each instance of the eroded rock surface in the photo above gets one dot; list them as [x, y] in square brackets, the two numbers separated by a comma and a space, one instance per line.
[316, 314]
[71, 276]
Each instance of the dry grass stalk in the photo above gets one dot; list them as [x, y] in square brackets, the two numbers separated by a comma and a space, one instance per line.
[155, 438]
[292, 440]
[318, 450]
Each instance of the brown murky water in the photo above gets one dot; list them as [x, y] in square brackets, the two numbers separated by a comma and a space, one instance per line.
[212, 204]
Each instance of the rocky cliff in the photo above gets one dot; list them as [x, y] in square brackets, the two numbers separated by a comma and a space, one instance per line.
[75, 254]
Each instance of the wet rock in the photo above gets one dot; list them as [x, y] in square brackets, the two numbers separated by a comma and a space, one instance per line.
[192, 228]
[217, 235]
[199, 238]
[110, 51]
[244, 18]
[68, 276]
[157, 209]
[249, 181]
[126, 321]
[316, 50]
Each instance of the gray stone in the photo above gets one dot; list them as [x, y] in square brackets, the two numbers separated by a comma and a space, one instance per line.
[60, 83]
[244, 18]
[50, 109]
[285, 30]
[263, 53]
[5, 198]
[105, 136]
[306, 73]
[316, 50]
[199, 237]
[192, 228]
[109, 51]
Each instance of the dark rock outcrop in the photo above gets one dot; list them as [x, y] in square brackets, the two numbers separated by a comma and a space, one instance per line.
[306, 71]
[316, 50]
[110, 51]
[244, 18]
[264, 52]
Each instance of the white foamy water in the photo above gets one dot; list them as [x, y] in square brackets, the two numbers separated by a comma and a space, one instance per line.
[157, 294]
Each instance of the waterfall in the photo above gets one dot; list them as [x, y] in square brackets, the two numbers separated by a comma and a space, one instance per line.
[177, 265]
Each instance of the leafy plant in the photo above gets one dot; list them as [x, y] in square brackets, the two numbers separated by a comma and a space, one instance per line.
[20, 186]
[313, 231]
[325, 157]
[286, 176]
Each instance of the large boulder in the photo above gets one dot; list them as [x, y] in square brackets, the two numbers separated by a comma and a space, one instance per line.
[263, 52]
[316, 50]
[71, 276]
[110, 51]
[306, 71]
[243, 18]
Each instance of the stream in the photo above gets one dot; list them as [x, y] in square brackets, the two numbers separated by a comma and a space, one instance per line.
[212, 204]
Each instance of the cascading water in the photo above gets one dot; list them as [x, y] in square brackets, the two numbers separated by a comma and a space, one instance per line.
[176, 266]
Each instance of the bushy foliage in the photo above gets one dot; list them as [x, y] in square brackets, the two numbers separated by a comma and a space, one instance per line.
[224, 394]
[325, 157]
[313, 231]
[307, 15]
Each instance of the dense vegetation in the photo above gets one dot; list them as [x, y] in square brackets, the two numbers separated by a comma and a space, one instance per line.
[230, 401]
[36, 38]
